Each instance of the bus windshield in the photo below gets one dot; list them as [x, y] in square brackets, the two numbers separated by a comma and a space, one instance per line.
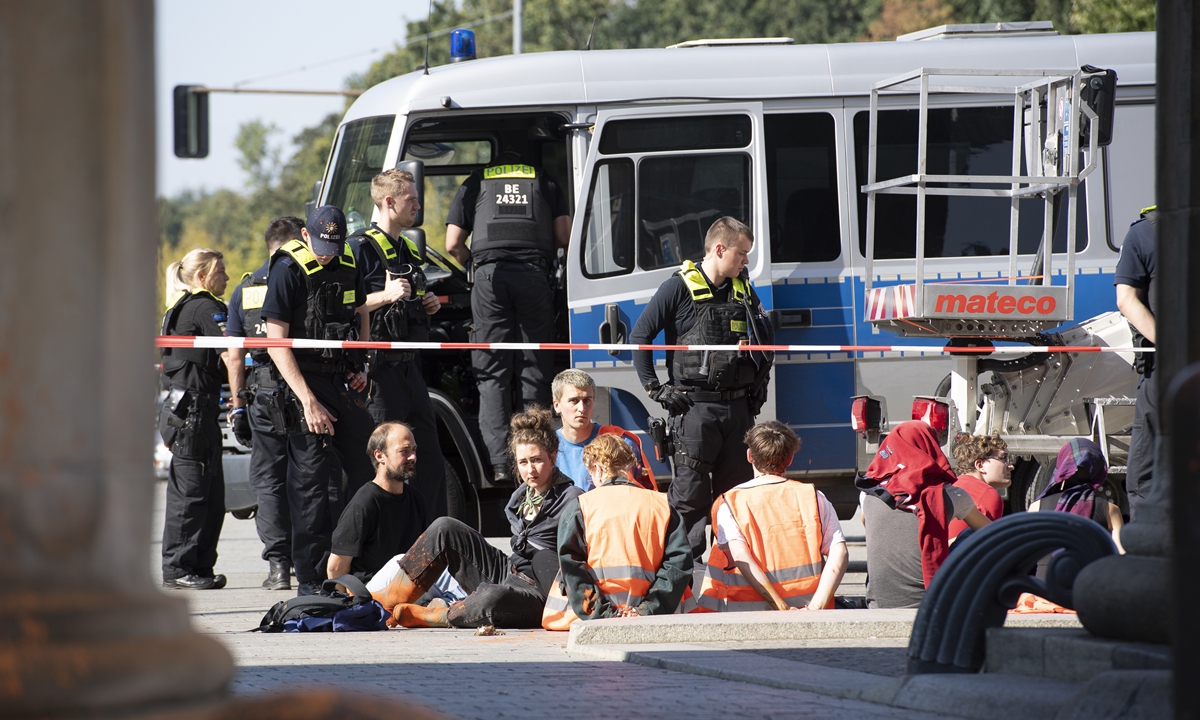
[358, 153]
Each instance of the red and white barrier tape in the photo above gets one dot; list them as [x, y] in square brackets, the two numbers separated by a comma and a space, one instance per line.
[183, 341]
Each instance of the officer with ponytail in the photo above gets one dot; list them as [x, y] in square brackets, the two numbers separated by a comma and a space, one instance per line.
[195, 505]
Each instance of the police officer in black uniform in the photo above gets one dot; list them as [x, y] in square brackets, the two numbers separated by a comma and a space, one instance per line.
[251, 418]
[314, 291]
[713, 397]
[517, 217]
[1134, 280]
[400, 308]
[195, 507]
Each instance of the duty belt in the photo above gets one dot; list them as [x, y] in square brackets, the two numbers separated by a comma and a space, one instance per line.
[329, 368]
[392, 358]
[206, 400]
[698, 395]
[262, 377]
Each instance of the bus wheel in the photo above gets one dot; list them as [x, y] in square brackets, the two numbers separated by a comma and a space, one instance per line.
[456, 497]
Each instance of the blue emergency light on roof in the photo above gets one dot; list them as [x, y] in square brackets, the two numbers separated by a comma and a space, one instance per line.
[462, 45]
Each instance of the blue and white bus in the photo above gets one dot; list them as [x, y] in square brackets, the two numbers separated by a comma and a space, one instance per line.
[653, 145]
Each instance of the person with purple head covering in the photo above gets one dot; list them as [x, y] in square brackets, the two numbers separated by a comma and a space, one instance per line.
[1080, 486]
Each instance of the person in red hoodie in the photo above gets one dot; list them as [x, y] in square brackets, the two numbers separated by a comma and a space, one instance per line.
[984, 468]
[908, 500]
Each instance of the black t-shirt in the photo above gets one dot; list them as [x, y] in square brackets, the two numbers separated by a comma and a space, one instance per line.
[287, 291]
[1135, 265]
[376, 526]
[202, 315]
[237, 314]
[462, 214]
[671, 312]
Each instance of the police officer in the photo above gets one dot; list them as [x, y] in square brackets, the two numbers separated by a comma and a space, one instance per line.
[195, 507]
[314, 291]
[400, 308]
[1134, 281]
[517, 217]
[712, 397]
[251, 416]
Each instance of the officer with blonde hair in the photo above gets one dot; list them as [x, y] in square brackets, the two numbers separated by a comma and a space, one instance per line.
[195, 506]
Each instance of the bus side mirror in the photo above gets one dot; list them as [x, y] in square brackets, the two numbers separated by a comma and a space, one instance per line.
[1099, 92]
[191, 121]
[417, 236]
[417, 168]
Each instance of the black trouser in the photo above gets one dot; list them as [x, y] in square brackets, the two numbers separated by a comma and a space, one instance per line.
[398, 393]
[510, 302]
[195, 508]
[319, 461]
[709, 434]
[269, 462]
[1140, 466]
[496, 595]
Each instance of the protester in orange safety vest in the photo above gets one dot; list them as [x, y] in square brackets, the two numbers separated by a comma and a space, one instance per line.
[622, 550]
[772, 536]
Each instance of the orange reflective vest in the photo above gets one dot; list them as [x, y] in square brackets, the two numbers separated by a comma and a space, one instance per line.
[626, 529]
[642, 475]
[782, 525]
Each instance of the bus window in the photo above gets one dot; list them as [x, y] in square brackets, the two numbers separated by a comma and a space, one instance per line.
[359, 157]
[802, 199]
[962, 141]
[679, 198]
[709, 132]
[608, 221]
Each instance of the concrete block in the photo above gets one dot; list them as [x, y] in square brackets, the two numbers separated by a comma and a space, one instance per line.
[1077, 658]
[767, 625]
[1122, 695]
[1015, 651]
[986, 696]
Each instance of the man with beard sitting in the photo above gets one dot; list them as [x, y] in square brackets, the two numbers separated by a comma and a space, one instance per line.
[387, 514]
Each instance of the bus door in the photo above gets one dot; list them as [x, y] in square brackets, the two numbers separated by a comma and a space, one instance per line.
[656, 179]
[812, 287]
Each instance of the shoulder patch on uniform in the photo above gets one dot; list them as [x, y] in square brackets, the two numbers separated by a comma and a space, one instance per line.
[219, 317]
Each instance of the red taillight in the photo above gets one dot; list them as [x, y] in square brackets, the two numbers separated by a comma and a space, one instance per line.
[931, 412]
[866, 414]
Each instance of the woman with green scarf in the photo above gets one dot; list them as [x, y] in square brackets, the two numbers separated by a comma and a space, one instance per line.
[503, 591]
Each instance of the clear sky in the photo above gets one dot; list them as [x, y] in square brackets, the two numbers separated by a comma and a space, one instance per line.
[222, 42]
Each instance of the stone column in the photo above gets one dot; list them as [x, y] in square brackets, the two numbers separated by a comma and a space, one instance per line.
[82, 628]
[1134, 597]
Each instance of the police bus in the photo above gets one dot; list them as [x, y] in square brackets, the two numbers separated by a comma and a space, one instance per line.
[653, 145]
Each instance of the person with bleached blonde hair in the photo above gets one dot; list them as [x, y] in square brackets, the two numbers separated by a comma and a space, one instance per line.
[195, 507]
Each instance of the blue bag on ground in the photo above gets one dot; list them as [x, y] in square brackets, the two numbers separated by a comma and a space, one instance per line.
[329, 610]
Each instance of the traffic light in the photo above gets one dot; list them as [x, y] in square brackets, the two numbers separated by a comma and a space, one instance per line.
[191, 121]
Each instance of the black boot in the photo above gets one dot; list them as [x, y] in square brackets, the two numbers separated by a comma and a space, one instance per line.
[280, 577]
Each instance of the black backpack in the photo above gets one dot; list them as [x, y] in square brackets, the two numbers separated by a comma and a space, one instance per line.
[325, 604]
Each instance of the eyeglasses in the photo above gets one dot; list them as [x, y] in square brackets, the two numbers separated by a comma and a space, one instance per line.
[1004, 458]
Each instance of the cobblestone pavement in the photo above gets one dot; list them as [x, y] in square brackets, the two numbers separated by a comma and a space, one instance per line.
[522, 673]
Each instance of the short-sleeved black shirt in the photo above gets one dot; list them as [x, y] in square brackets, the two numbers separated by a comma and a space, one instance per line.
[202, 315]
[462, 214]
[286, 291]
[376, 526]
[236, 327]
[1135, 266]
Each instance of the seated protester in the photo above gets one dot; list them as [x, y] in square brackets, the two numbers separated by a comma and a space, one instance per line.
[1081, 486]
[984, 468]
[908, 500]
[773, 536]
[574, 395]
[386, 515]
[622, 550]
[502, 590]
